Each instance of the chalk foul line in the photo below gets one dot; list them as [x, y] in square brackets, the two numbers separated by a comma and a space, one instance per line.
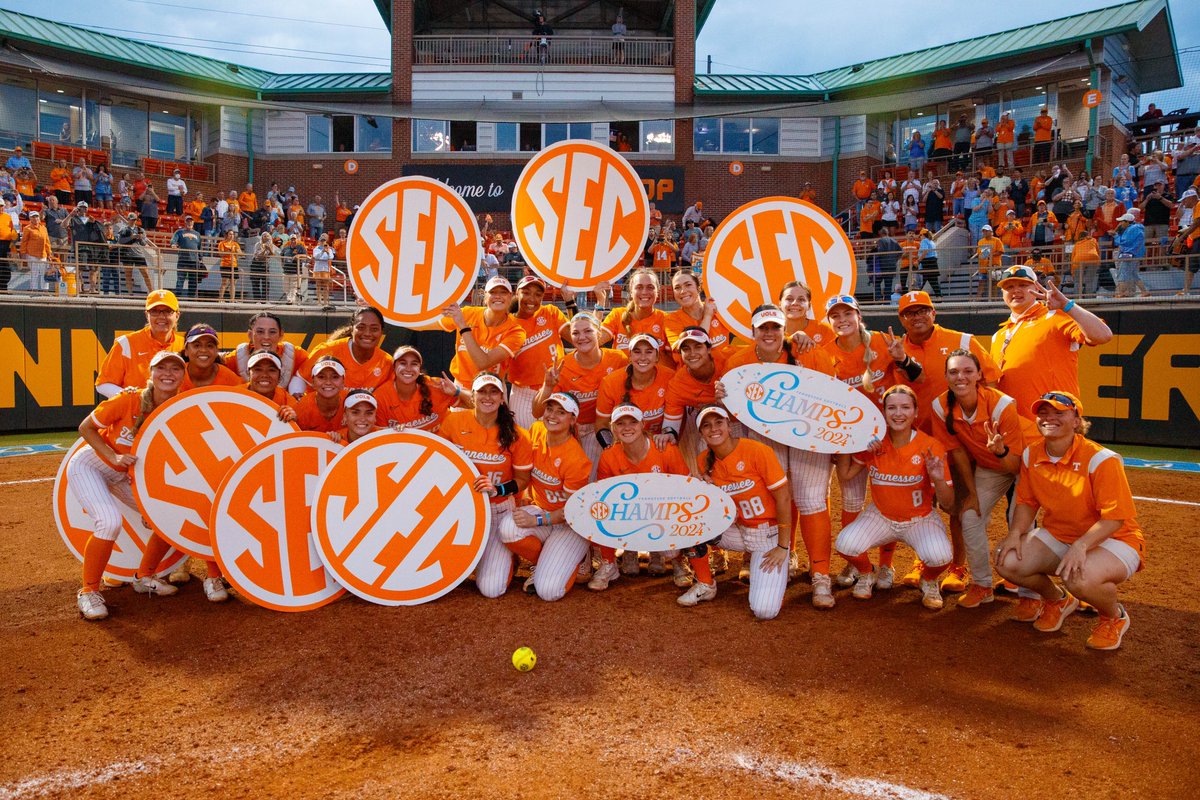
[26, 480]
[816, 775]
[1164, 500]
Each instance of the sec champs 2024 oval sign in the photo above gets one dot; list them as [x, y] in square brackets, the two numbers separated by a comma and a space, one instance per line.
[650, 512]
[802, 408]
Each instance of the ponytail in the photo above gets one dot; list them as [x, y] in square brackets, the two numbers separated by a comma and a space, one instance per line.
[144, 407]
[507, 424]
[710, 461]
[627, 396]
[951, 400]
[868, 356]
[426, 407]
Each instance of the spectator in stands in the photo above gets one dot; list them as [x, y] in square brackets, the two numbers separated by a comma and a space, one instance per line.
[54, 216]
[1006, 141]
[25, 180]
[943, 141]
[248, 206]
[663, 254]
[148, 208]
[887, 183]
[990, 251]
[103, 188]
[17, 160]
[341, 212]
[869, 218]
[1043, 136]
[316, 218]
[916, 154]
[60, 179]
[1085, 264]
[8, 184]
[513, 256]
[1042, 265]
[220, 206]
[176, 190]
[889, 213]
[1105, 218]
[1187, 208]
[132, 250]
[911, 187]
[1186, 247]
[934, 198]
[1124, 169]
[124, 189]
[863, 190]
[230, 222]
[187, 266]
[808, 193]
[1075, 227]
[194, 208]
[1156, 209]
[963, 133]
[322, 270]
[1126, 193]
[106, 258]
[1187, 163]
[928, 266]
[87, 234]
[980, 215]
[1043, 226]
[912, 214]
[140, 182]
[260, 266]
[985, 138]
[1152, 112]
[910, 250]
[228, 250]
[887, 255]
[691, 246]
[1000, 183]
[9, 233]
[294, 255]
[619, 31]
[82, 177]
[694, 213]
[274, 194]
[1001, 205]
[489, 265]
[957, 187]
[339, 247]
[1130, 244]
[35, 250]
[1011, 231]
[1153, 169]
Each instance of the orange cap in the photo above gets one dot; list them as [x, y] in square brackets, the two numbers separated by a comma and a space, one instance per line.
[1063, 401]
[162, 297]
[914, 299]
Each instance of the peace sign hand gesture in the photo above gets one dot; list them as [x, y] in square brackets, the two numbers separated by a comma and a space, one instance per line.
[895, 345]
[995, 440]
[447, 385]
[552, 373]
[1053, 298]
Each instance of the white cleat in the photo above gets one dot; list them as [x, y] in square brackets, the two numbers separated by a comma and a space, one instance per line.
[847, 576]
[822, 591]
[91, 605]
[885, 578]
[607, 573]
[863, 586]
[699, 593]
[153, 585]
[931, 595]
[681, 572]
[215, 591]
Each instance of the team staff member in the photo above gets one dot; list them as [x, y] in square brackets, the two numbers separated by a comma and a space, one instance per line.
[128, 361]
[984, 436]
[1089, 535]
[542, 346]
[695, 311]
[751, 474]
[538, 530]
[358, 418]
[634, 453]
[491, 439]
[98, 474]
[265, 332]
[367, 365]
[907, 469]
[487, 337]
[412, 399]
[204, 366]
[1037, 348]
[321, 409]
[638, 316]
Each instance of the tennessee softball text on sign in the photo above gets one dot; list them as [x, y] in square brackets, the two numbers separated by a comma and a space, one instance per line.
[802, 408]
[186, 448]
[396, 520]
[650, 512]
[74, 526]
[768, 242]
[580, 214]
[261, 523]
[413, 249]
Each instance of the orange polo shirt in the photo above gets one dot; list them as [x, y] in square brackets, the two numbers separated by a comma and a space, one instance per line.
[1037, 353]
[748, 474]
[370, 374]
[932, 355]
[128, 362]
[652, 399]
[900, 487]
[61, 179]
[1043, 124]
[248, 201]
[310, 418]
[614, 462]
[584, 383]
[482, 446]
[1004, 131]
[863, 188]
[558, 470]
[943, 139]
[993, 408]
[508, 335]
[542, 347]
[407, 413]
[987, 260]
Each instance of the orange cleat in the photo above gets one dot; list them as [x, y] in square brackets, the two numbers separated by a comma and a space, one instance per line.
[955, 579]
[1028, 609]
[976, 596]
[1109, 632]
[1055, 613]
[913, 578]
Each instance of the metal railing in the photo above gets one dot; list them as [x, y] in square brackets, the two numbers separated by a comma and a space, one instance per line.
[537, 51]
[1056, 151]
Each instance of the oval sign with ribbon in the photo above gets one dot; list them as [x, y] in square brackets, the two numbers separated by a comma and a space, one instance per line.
[650, 512]
[802, 408]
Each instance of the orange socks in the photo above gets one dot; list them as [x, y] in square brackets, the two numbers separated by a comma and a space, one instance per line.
[701, 569]
[528, 548]
[887, 553]
[152, 556]
[860, 562]
[607, 554]
[817, 532]
[849, 516]
[214, 570]
[929, 573]
[95, 558]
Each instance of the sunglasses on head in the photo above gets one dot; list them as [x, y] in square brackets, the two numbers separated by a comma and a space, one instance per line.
[1059, 398]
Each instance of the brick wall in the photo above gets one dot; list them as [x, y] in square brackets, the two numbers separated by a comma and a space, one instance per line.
[685, 51]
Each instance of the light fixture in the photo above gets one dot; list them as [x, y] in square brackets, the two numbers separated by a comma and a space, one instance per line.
[1037, 88]
[1086, 80]
[920, 113]
[60, 91]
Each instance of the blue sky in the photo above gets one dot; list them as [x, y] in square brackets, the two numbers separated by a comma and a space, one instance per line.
[742, 36]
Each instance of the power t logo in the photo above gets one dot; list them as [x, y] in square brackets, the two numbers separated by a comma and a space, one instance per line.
[580, 214]
[395, 519]
[413, 248]
[767, 243]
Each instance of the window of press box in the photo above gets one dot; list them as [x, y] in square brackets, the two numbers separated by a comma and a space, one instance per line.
[430, 136]
[374, 134]
[331, 133]
[624, 137]
[463, 137]
[559, 131]
[18, 111]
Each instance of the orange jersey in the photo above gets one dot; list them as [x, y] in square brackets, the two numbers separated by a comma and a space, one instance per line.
[686, 391]
[407, 413]
[849, 367]
[194, 208]
[558, 470]
[248, 201]
[943, 139]
[999, 213]
[224, 377]
[482, 446]
[819, 332]
[584, 383]
[615, 461]
[910, 254]
[655, 325]
[116, 418]
[542, 347]
[61, 179]
[279, 397]
[863, 188]
[1043, 125]
[128, 362]
[990, 250]
[749, 474]
[870, 213]
[817, 359]
[508, 335]
[652, 399]
[310, 418]
[664, 256]
[994, 408]
[1011, 234]
[229, 252]
[1087, 484]
[677, 320]
[932, 355]
[369, 374]
[1004, 131]
[1037, 353]
[900, 486]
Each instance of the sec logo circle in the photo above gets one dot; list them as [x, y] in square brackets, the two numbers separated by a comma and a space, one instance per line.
[396, 520]
[75, 527]
[413, 249]
[261, 521]
[186, 448]
[580, 214]
[755, 391]
[767, 243]
[600, 511]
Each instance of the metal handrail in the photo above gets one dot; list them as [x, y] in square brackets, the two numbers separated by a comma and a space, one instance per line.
[536, 51]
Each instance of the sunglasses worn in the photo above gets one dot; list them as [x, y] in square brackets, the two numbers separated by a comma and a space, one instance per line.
[1059, 398]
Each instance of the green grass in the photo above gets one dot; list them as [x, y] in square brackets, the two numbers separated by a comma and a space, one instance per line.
[49, 437]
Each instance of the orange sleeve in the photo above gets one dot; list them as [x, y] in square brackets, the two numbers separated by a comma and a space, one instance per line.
[772, 471]
[1025, 495]
[114, 409]
[114, 367]
[608, 394]
[522, 451]
[512, 339]
[612, 321]
[577, 472]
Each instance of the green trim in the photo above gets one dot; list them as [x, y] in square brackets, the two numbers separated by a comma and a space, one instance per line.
[703, 9]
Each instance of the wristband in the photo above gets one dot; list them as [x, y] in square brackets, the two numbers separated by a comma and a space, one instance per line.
[538, 518]
[463, 331]
[507, 488]
[604, 438]
[784, 549]
[1002, 455]
[1067, 308]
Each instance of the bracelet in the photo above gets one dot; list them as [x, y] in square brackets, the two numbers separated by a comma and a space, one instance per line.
[1067, 308]
[538, 518]
[1002, 455]
[784, 549]
[457, 390]
[463, 331]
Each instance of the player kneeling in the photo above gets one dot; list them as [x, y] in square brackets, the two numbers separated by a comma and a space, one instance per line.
[751, 474]
[1089, 536]
[906, 471]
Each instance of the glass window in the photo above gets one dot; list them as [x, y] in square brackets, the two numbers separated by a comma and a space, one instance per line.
[431, 136]
[765, 135]
[581, 130]
[463, 137]
[343, 133]
[18, 111]
[125, 124]
[60, 114]
[658, 136]
[706, 136]
[374, 134]
[919, 120]
[735, 135]
[625, 137]
[530, 137]
[168, 133]
[556, 132]
[318, 133]
[506, 137]
[1023, 106]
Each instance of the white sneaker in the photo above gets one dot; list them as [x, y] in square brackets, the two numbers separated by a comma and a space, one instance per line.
[583, 573]
[718, 562]
[91, 605]
[822, 592]
[153, 585]
[629, 563]
[847, 576]
[795, 568]
[530, 587]
[931, 595]
[607, 573]
[885, 578]
[863, 585]
[657, 566]
[699, 593]
[180, 574]
[682, 572]
[215, 591]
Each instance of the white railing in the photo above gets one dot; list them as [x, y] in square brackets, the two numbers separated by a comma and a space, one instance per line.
[527, 50]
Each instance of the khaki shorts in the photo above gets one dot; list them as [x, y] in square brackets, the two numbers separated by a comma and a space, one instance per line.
[1124, 553]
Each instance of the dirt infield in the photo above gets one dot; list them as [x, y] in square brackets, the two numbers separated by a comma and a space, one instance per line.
[632, 695]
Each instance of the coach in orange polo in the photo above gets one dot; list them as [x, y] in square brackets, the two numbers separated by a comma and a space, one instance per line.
[1037, 347]
[128, 361]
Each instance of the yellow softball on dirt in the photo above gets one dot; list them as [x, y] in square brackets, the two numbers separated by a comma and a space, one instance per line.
[524, 659]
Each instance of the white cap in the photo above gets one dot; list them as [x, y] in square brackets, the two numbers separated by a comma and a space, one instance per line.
[986, 228]
[329, 362]
[768, 316]
[163, 355]
[264, 355]
[627, 410]
[704, 412]
[360, 396]
[692, 334]
[566, 401]
[497, 282]
[487, 379]
[644, 337]
[1127, 218]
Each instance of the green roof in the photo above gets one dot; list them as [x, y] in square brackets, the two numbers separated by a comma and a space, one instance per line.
[328, 82]
[758, 84]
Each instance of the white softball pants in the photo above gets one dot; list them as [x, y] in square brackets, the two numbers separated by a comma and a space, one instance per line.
[766, 588]
[561, 554]
[854, 493]
[587, 438]
[494, 571]
[926, 535]
[97, 486]
[808, 475]
[520, 402]
[990, 488]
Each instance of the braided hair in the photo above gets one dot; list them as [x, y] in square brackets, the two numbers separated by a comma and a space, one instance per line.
[951, 398]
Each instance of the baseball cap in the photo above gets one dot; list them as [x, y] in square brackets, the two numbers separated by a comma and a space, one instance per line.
[1017, 272]
[33, 214]
[768, 316]
[329, 362]
[187, 218]
[1041, 202]
[200, 331]
[131, 215]
[566, 401]
[497, 283]
[529, 280]
[264, 355]
[360, 396]
[644, 337]
[81, 204]
[704, 412]
[163, 355]
[1063, 401]
[1127, 218]
[840, 300]
[487, 379]
[404, 350]
[627, 410]
[162, 297]
[692, 334]
[986, 228]
[17, 149]
[915, 299]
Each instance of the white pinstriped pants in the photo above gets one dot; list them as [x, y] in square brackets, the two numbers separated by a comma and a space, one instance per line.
[520, 402]
[990, 488]
[561, 554]
[854, 493]
[808, 475]
[926, 535]
[97, 486]
[494, 571]
[766, 588]
[587, 438]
